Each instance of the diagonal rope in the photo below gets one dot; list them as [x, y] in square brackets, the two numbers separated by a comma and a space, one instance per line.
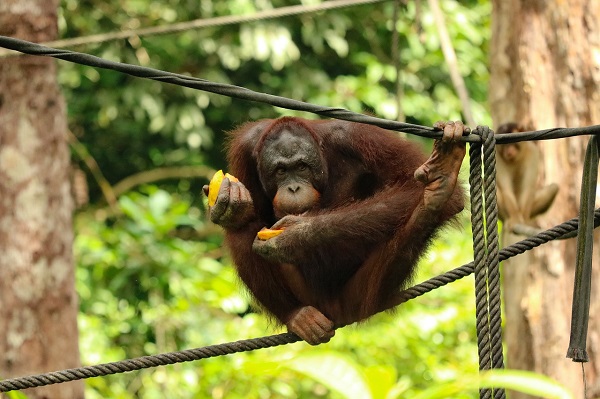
[144, 362]
[56, 377]
[31, 48]
[213, 87]
[564, 230]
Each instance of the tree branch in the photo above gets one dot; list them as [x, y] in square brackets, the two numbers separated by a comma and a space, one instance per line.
[92, 165]
[173, 172]
[450, 56]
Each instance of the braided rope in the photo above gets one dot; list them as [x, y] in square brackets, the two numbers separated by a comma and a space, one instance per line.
[492, 261]
[557, 232]
[213, 87]
[232, 91]
[479, 259]
[188, 355]
[144, 362]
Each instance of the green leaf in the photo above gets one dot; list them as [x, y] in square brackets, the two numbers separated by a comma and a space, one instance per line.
[381, 380]
[159, 202]
[526, 382]
[523, 381]
[16, 395]
[335, 371]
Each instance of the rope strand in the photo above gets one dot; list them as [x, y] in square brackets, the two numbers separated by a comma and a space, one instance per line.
[31, 48]
[493, 246]
[482, 322]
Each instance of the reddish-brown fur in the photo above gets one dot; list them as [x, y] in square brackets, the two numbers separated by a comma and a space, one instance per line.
[366, 240]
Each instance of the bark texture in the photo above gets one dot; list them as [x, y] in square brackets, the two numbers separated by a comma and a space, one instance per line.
[545, 64]
[38, 304]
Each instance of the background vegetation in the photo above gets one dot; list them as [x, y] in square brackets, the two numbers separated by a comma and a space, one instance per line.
[151, 273]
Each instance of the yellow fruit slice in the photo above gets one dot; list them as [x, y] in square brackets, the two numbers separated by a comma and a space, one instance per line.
[265, 234]
[231, 177]
[215, 183]
[213, 187]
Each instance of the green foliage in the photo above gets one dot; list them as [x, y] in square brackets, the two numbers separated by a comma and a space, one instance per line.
[144, 289]
[337, 58]
[343, 375]
[527, 382]
[148, 277]
[16, 395]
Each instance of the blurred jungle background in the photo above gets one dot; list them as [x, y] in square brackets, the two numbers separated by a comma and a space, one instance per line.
[151, 274]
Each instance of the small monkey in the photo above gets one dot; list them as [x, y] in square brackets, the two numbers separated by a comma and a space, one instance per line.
[519, 200]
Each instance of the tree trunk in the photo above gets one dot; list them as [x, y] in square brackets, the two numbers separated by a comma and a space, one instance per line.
[545, 64]
[38, 304]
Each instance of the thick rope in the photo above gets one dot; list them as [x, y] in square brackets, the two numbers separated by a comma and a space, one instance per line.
[493, 246]
[566, 229]
[144, 362]
[212, 87]
[31, 48]
[188, 355]
[479, 259]
[486, 258]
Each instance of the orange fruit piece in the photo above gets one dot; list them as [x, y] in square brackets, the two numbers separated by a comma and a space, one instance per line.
[215, 183]
[265, 234]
